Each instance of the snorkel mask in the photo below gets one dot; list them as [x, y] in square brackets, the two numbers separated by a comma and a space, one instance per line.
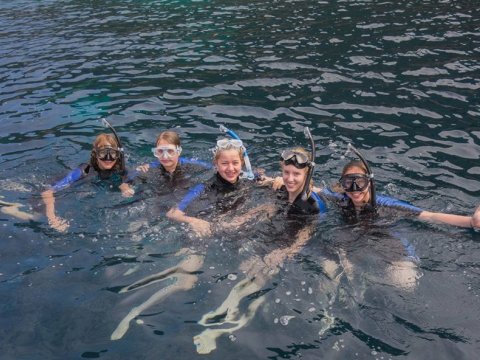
[236, 141]
[166, 151]
[107, 154]
[359, 182]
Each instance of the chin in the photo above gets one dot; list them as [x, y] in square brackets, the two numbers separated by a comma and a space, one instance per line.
[104, 166]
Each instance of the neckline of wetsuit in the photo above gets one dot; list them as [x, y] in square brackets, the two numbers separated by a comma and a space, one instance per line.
[225, 185]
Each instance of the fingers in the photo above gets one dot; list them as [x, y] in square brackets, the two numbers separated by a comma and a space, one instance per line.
[59, 224]
[143, 168]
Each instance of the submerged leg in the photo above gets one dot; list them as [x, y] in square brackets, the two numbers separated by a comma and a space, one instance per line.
[13, 209]
[228, 310]
[190, 264]
[182, 281]
[206, 341]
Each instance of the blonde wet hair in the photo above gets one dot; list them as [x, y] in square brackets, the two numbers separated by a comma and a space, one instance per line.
[169, 136]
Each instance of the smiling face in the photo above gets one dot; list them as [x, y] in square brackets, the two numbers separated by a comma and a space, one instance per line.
[229, 164]
[169, 159]
[294, 180]
[359, 198]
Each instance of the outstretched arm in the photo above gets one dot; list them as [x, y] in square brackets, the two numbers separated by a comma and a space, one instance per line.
[451, 219]
[265, 210]
[278, 256]
[54, 221]
[201, 227]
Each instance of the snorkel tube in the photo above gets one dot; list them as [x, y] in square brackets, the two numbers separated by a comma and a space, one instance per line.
[248, 167]
[106, 124]
[373, 199]
[311, 166]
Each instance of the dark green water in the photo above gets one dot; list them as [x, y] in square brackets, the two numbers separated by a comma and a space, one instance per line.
[399, 80]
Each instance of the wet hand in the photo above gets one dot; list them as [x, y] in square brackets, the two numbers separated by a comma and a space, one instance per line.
[201, 227]
[277, 183]
[475, 220]
[274, 259]
[127, 190]
[143, 168]
[59, 224]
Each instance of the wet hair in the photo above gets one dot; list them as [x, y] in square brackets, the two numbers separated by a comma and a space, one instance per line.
[218, 152]
[308, 154]
[337, 187]
[98, 142]
[169, 136]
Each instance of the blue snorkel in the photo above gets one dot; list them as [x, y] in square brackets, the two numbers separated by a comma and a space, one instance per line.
[248, 167]
[373, 198]
[311, 166]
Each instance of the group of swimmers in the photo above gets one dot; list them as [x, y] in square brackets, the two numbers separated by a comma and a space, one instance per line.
[295, 198]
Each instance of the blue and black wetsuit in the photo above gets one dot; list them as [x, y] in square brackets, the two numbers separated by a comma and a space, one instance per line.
[312, 206]
[386, 208]
[215, 197]
[290, 218]
[109, 177]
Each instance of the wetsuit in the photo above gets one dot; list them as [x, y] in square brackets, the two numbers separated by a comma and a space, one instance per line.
[386, 207]
[282, 229]
[184, 166]
[217, 196]
[313, 205]
[113, 177]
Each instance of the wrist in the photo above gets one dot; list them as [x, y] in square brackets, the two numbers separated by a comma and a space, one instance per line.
[472, 225]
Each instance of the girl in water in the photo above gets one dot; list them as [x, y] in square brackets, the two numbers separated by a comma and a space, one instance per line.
[169, 167]
[296, 208]
[106, 162]
[221, 194]
[356, 197]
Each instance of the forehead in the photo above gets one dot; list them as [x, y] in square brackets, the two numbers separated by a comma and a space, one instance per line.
[163, 142]
[355, 170]
[291, 168]
[104, 143]
[229, 155]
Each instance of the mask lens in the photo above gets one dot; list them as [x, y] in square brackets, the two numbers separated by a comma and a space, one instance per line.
[354, 182]
[225, 144]
[165, 152]
[294, 158]
[107, 154]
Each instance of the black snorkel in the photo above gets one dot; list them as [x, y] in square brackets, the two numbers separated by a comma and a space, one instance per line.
[120, 147]
[311, 165]
[373, 199]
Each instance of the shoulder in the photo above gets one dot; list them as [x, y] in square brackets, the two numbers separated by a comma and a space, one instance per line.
[74, 175]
